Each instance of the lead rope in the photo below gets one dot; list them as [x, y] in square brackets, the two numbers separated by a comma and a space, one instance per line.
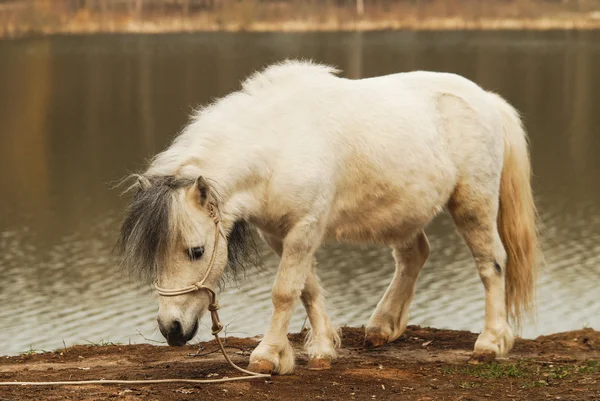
[216, 328]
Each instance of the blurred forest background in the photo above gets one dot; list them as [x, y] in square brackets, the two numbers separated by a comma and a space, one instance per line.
[23, 17]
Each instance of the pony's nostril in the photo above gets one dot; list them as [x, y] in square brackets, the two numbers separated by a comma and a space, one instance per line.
[174, 331]
[176, 328]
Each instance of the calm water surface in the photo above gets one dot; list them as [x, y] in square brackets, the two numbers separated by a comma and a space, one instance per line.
[78, 113]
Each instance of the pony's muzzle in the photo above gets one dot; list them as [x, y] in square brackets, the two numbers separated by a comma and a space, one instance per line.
[176, 334]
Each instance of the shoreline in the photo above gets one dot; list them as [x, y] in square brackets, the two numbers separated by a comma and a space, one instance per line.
[166, 26]
[423, 364]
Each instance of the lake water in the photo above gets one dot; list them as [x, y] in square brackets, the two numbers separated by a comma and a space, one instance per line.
[78, 113]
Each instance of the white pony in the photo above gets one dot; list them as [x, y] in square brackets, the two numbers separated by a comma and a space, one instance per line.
[305, 156]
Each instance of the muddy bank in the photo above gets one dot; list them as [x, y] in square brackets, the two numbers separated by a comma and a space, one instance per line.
[424, 364]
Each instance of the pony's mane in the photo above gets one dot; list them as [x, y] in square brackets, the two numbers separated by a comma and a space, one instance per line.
[285, 71]
[196, 138]
[154, 221]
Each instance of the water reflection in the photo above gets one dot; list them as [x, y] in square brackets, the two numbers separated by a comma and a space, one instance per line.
[76, 114]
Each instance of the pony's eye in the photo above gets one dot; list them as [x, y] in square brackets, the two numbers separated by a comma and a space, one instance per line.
[195, 253]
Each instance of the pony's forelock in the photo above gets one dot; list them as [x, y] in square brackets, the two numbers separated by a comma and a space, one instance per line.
[147, 231]
[158, 217]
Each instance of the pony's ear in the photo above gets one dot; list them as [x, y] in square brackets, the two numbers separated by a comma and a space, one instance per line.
[142, 182]
[203, 190]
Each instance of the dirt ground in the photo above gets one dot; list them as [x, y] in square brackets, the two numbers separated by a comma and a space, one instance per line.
[424, 364]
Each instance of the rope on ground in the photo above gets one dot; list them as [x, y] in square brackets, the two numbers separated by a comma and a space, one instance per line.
[251, 376]
[216, 328]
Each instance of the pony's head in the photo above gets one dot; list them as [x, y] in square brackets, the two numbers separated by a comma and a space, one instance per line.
[170, 235]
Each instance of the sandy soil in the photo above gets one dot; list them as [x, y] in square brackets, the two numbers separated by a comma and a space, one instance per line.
[424, 364]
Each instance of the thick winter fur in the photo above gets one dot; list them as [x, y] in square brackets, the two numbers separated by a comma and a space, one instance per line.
[306, 156]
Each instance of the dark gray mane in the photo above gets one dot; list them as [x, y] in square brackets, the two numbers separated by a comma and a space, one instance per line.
[147, 231]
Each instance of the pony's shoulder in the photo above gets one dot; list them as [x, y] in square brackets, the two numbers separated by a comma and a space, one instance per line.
[284, 72]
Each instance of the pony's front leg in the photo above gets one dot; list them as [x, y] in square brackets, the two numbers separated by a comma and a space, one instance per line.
[275, 354]
[323, 337]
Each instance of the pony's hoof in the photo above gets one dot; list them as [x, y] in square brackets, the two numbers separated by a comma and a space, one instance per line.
[374, 339]
[319, 364]
[264, 367]
[482, 357]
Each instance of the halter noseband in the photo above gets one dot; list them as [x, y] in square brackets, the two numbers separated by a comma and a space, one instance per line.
[213, 212]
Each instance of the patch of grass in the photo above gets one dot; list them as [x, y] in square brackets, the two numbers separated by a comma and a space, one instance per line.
[33, 351]
[499, 370]
[591, 366]
[537, 383]
[492, 370]
[449, 369]
[558, 372]
[102, 343]
[547, 374]
[30, 351]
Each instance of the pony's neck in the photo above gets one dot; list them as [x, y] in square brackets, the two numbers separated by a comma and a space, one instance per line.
[237, 173]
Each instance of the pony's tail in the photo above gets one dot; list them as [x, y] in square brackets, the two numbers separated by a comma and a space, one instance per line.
[517, 217]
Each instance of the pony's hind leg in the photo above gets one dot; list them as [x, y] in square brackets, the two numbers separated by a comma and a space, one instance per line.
[475, 217]
[323, 337]
[390, 318]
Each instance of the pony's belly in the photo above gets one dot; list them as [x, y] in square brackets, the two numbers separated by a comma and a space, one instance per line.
[359, 233]
[387, 224]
